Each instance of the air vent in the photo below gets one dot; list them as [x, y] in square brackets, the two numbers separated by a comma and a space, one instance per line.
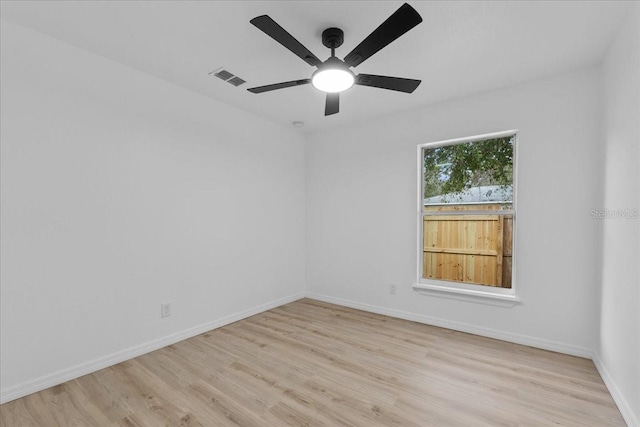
[236, 81]
[224, 75]
[228, 77]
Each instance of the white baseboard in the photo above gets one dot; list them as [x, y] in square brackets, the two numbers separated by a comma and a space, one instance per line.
[77, 371]
[625, 409]
[462, 327]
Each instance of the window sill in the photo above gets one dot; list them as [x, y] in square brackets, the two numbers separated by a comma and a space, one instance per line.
[502, 300]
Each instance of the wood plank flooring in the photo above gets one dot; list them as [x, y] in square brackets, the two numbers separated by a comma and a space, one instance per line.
[308, 363]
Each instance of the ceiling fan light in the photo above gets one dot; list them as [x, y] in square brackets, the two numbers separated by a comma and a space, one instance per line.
[333, 80]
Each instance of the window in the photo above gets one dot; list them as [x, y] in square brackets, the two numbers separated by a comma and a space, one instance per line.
[466, 215]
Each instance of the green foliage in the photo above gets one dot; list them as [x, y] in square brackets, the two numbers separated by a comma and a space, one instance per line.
[455, 168]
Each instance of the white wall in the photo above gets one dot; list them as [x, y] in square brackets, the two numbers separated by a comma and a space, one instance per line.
[361, 211]
[619, 347]
[121, 192]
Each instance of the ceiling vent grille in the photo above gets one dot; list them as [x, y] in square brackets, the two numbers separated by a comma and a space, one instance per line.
[223, 74]
[236, 81]
[228, 77]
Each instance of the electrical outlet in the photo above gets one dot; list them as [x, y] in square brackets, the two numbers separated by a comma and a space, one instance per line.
[165, 310]
[392, 289]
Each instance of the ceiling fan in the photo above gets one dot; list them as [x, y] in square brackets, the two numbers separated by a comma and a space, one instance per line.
[333, 75]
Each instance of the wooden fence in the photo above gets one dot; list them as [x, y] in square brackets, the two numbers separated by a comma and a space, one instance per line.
[474, 249]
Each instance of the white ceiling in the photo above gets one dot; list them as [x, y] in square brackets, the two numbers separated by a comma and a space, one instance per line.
[460, 47]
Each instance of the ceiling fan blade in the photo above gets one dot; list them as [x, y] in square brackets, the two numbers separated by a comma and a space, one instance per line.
[279, 34]
[282, 85]
[392, 83]
[333, 104]
[402, 20]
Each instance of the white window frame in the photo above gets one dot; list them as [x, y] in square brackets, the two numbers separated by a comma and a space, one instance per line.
[456, 290]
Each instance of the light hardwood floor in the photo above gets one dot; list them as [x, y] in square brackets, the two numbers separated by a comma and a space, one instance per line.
[314, 364]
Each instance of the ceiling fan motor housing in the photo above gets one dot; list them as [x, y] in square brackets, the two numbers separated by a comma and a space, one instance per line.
[332, 38]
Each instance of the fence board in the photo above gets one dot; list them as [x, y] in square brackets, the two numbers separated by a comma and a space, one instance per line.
[475, 248]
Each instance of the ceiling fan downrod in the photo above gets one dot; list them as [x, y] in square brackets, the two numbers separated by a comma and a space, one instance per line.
[333, 39]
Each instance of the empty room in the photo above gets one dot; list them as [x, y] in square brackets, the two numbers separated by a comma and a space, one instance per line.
[320, 213]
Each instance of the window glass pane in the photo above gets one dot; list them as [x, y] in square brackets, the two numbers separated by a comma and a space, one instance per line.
[470, 172]
[474, 249]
